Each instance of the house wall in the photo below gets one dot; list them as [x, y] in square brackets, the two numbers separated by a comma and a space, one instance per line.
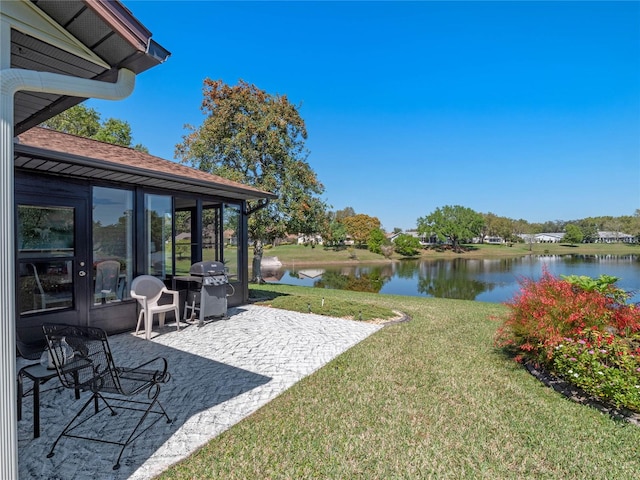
[120, 315]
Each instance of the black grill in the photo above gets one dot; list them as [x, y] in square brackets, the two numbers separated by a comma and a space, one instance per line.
[211, 299]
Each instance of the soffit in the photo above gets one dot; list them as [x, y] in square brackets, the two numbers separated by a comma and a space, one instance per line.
[100, 37]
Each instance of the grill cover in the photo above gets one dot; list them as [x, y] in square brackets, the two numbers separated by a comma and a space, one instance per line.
[207, 268]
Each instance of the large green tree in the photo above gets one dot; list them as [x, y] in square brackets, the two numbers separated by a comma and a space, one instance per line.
[497, 226]
[453, 223]
[634, 228]
[573, 234]
[78, 120]
[376, 240]
[334, 233]
[257, 138]
[83, 121]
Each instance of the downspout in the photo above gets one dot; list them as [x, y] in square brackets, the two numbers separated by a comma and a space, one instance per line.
[11, 82]
[260, 206]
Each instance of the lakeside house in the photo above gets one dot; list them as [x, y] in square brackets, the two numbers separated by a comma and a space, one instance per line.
[614, 237]
[557, 237]
[552, 237]
[423, 239]
[304, 239]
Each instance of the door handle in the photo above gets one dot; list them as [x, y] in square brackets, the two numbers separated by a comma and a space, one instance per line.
[82, 273]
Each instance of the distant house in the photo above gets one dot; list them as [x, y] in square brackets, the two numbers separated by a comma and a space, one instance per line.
[494, 240]
[307, 239]
[424, 239]
[553, 237]
[614, 237]
[557, 237]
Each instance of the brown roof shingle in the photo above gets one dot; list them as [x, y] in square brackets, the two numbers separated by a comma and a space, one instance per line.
[75, 148]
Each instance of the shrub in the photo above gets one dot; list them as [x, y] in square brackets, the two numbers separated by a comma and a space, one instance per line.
[376, 240]
[581, 329]
[604, 365]
[407, 245]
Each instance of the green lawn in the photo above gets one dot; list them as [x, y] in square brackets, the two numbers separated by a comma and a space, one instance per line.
[430, 398]
[292, 254]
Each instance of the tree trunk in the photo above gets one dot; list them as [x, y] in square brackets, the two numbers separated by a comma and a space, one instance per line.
[257, 261]
[456, 245]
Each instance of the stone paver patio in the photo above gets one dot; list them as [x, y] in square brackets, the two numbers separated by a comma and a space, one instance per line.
[221, 373]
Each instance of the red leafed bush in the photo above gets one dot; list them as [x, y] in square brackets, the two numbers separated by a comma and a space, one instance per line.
[581, 330]
[548, 310]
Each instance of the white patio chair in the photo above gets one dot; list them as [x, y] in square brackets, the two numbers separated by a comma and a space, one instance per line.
[107, 278]
[148, 291]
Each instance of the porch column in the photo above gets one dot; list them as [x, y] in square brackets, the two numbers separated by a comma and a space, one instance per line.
[8, 389]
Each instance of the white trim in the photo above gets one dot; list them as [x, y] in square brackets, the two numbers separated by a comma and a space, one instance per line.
[29, 19]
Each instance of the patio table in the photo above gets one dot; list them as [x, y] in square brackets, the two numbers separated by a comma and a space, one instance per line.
[40, 374]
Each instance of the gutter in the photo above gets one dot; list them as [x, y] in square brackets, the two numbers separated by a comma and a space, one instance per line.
[13, 80]
[129, 27]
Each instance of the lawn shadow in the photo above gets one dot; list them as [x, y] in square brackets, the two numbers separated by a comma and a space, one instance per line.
[256, 295]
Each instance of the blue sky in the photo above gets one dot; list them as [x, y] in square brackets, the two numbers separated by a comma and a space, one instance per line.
[525, 109]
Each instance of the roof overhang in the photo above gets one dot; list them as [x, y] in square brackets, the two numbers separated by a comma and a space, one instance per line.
[90, 39]
[51, 162]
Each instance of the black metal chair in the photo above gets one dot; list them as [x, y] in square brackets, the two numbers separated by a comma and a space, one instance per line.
[91, 368]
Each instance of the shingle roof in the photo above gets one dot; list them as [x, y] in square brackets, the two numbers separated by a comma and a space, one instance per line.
[47, 150]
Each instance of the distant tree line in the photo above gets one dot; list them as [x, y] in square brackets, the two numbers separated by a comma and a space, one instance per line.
[457, 225]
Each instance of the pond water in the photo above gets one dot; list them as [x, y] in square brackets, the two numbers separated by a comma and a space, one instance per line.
[486, 280]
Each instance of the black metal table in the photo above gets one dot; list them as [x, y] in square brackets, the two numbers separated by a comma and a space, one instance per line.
[39, 374]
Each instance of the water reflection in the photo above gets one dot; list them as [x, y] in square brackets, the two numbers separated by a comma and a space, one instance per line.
[489, 280]
[364, 282]
[451, 279]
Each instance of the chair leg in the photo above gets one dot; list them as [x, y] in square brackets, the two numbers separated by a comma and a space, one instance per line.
[70, 426]
[93, 399]
[153, 400]
[139, 321]
[20, 394]
[148, 324]
[177, 314]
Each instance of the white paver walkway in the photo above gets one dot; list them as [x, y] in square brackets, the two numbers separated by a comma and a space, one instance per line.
[221, 373]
